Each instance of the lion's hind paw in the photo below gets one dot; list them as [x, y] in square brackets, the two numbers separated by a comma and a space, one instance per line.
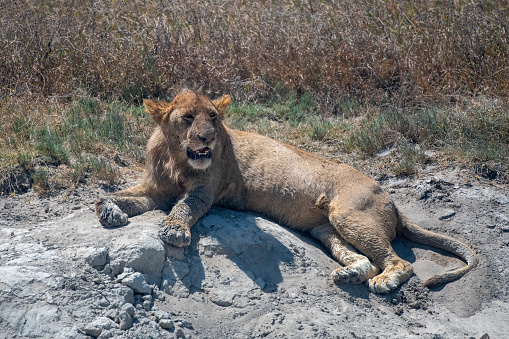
[356, 273]
[393, 276]
[382, 284]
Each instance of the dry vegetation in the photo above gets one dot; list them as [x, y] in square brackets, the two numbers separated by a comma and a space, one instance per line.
[335, 77]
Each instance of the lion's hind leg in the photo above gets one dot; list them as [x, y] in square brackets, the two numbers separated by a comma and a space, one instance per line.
[357, 268]
[372, 236]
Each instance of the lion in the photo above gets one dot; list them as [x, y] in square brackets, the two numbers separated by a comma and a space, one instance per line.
[194, 162]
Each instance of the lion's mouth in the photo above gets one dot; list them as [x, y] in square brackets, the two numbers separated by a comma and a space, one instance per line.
[204, 153]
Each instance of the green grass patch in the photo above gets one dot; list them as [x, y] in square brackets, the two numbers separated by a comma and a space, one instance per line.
[50, 145]
[40, 179]
[469, 135]
[95, 167]
[320, 129]
[86, 136]
[411, 158]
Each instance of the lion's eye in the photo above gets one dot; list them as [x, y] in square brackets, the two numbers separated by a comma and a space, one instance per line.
[189, 117]
[213, 115]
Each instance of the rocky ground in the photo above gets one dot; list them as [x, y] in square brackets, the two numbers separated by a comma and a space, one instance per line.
[62, 275]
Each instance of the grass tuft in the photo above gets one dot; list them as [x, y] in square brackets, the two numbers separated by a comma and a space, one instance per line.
[50, 146]
[41, 180]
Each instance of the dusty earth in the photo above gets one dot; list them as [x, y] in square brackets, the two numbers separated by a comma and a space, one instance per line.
[62, 275]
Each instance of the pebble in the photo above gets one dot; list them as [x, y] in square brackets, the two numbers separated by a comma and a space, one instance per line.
[446, 214]
[167, 324]
[137, 282]
[128, 308]
[125, 321]
[98, 258]
[179, 333]
[162, 315]
[184, 323]
[96, 327]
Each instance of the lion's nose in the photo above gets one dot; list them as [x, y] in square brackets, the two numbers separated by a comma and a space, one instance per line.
[205, 138]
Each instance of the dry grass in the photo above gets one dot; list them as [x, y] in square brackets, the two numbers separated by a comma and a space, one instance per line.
[409, 50]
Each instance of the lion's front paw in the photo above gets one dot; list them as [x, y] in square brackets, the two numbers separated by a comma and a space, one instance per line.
[110, 215]
[174, 233]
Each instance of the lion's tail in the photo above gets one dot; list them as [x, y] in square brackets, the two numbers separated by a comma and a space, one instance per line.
[413, 232]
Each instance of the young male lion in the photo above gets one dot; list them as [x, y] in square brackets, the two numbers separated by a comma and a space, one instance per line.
[194, 161]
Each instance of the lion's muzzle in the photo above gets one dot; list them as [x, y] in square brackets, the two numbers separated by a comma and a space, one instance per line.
[204, 153]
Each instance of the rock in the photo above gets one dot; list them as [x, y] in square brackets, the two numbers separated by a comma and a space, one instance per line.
[96, 327]
[125, 273]
[147, 305]
[118, 295]
[112, 314]
[18, 278]
[145, 256]
[98, 258]
[446, 214]
[103, 302]
[113, 333]
[128, 308]
[221, 297]
[162, 315]
[158, 295]
[502, 200]
[35, 321]
[167, 324]
[179, 333]
[175, 280]
[424, 194]
[503, 221]
[137, 282]
[125, 321]
[252, 266]
[184, 323]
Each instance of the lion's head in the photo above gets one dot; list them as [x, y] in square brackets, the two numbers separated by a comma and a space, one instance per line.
[191, 124]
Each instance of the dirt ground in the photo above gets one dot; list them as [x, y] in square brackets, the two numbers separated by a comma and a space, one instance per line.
[62, 275]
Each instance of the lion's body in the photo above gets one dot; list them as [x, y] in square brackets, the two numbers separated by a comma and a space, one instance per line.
[284, 183]
[194, 162]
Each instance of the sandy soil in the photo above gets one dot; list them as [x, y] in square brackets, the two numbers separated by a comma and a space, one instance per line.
[62, 275]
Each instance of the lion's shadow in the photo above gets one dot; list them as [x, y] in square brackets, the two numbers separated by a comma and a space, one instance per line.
[255, 252]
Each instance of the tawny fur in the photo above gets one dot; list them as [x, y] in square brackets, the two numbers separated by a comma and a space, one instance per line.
[336, 204]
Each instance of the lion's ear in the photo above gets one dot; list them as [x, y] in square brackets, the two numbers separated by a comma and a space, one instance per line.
[222, 103]
[156, 109]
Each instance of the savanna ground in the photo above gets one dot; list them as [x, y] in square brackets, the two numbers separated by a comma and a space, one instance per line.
[402, 90]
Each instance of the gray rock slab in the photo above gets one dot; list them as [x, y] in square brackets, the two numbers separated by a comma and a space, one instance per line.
[137, 282]
[145, 255]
